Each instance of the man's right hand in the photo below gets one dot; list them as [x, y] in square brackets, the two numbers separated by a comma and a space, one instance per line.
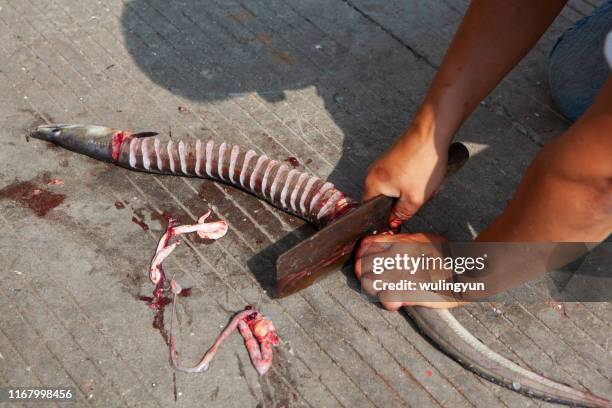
[411, 170]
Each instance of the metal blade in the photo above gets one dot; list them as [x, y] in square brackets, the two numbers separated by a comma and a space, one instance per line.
[330, 247]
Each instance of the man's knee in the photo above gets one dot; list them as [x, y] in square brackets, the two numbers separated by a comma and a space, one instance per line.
[579, 162]
[577, 67]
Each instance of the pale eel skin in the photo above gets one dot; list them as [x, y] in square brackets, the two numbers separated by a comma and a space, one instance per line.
[313, 200]
[210, 230]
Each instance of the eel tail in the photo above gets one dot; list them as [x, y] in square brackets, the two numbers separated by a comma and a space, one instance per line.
[441, 327]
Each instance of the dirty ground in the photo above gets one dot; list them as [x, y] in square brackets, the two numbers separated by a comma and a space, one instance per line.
[324, 85]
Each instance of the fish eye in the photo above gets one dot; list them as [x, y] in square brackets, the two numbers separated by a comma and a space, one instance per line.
[55, 131]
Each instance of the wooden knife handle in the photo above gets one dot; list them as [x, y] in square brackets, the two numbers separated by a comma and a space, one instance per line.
[458, 154]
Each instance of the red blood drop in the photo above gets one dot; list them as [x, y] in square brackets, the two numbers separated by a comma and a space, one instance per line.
[293, 161]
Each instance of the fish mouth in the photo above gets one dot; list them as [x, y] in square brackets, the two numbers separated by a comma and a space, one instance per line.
[48, 132]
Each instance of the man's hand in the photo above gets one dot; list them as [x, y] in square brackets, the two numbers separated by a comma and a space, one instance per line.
[378, 245]
[412, 170]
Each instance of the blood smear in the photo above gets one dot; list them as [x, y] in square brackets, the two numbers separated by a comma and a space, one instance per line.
[55, 182]
[30, 196]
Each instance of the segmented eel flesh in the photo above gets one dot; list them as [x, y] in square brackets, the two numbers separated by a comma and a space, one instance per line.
[299, 193]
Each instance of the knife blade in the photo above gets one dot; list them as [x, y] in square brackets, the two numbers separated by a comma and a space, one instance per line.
[329, 248]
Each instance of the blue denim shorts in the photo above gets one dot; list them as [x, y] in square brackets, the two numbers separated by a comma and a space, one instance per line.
[577, 66]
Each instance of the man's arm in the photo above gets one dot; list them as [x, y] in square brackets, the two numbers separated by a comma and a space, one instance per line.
[565, 196]
[492, 38]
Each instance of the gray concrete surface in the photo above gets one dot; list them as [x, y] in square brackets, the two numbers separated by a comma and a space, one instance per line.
[329, 82]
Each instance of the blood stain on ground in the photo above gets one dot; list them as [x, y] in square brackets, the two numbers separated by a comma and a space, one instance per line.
[140, 223]
[158, 323]
[158, 303]
[163, 218]
[31, 196]
[119, 205]
[186, 292]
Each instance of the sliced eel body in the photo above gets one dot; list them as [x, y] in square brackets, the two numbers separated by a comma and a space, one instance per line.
[311, 199]
[298, 193]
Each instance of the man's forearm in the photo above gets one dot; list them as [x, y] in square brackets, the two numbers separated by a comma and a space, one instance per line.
[492, 38]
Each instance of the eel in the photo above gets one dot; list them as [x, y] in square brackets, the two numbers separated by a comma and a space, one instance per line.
[317, 202]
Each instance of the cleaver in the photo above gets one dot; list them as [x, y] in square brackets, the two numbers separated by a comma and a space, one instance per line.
[331, 247]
